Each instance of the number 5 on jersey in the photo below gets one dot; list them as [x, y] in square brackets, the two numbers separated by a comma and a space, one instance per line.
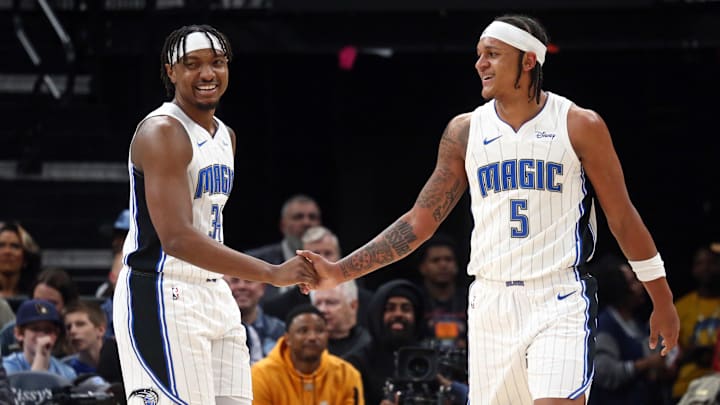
[520, 231]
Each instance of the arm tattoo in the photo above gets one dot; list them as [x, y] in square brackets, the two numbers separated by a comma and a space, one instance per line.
[436, 195]
[379, 252]
[399, 236]
[451, 195]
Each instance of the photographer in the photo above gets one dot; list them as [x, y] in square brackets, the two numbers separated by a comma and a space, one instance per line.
[392, 322]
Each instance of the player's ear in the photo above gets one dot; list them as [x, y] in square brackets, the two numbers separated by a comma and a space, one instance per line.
[529, 61]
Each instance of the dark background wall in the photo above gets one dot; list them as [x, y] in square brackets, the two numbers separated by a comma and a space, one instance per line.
[363, 141]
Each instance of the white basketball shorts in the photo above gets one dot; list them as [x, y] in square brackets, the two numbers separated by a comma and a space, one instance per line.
[180, 342]
[531, 340]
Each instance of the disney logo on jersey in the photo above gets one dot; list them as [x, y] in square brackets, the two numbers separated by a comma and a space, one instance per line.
[214, 179]
[147, 395]
[544, 135]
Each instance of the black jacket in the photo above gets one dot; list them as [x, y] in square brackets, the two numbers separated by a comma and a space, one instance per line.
[376, 360]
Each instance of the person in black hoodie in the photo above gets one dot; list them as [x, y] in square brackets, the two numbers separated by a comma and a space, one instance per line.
[393, 316]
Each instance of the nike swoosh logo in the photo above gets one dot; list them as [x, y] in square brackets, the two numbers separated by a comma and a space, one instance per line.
[562, 297]
[487, 141]
[202, 143]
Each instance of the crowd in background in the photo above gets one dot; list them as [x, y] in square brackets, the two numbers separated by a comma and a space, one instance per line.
[349, 339]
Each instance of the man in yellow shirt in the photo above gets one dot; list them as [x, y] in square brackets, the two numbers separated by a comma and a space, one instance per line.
[699, 313]
[299, 370]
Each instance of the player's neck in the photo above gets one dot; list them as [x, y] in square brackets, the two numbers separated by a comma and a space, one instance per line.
[517, 109]
[204, 118]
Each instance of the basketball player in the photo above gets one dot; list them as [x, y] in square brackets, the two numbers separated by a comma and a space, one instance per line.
[177, 325]
[528, 157]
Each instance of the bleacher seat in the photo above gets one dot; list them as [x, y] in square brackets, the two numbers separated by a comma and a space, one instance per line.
[35, 387]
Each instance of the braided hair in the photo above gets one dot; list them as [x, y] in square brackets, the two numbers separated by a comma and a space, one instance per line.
[538, 31]
[176, 42]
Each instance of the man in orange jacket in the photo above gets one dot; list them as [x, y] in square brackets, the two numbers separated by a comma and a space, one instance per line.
[299, 369]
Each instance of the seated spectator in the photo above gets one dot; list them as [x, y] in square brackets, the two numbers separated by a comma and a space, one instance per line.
[395, 311]
[19, 261]
[37, 329]
[699, 313]
[6, 394]
[6, 313]
[339, 306]
[269, 329]
[85, 327]
[106, 289]
[627, 372]
[53, 285]
[322, 241]
[446, 315]
[297, 214]
[299, 370]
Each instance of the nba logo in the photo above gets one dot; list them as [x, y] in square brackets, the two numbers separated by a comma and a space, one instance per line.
[175, 293]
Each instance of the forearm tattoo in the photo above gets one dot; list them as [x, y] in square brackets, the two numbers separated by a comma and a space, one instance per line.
[393, 243]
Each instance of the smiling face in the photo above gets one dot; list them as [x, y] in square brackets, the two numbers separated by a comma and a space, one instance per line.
[200, 78]
[497, 66]
[247, 293]
[399, 318]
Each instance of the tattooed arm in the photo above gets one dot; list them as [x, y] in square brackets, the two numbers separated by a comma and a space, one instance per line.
[437, 198]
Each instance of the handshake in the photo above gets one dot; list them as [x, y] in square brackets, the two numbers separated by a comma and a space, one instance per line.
[310, 271]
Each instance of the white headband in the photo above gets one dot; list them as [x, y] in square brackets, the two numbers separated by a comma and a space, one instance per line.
[194, 41]
[517, 38]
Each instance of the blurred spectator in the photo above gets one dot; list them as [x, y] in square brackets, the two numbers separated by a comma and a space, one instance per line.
[297, 214]
[699, 313]
[37, 329]
[55, 286]
[339, 307]
[393, 315]
[121, 226]
[6, 394]
[299, 370]
[6, 313]
[626, 371]
[446, 315]
[268, 328]
[85, 324]
[322, 241]
[106, 289]
[19, 261]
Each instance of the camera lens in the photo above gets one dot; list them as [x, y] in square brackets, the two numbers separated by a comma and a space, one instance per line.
[418, 367]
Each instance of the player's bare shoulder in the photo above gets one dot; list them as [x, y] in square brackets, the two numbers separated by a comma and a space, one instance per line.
[454, 140]
[586, 128]
[160, 137]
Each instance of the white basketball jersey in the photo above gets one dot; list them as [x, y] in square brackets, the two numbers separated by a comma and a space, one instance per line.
[532, 205]
[210, 177]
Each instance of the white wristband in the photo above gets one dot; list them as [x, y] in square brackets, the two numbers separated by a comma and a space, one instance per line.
[650, 269]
